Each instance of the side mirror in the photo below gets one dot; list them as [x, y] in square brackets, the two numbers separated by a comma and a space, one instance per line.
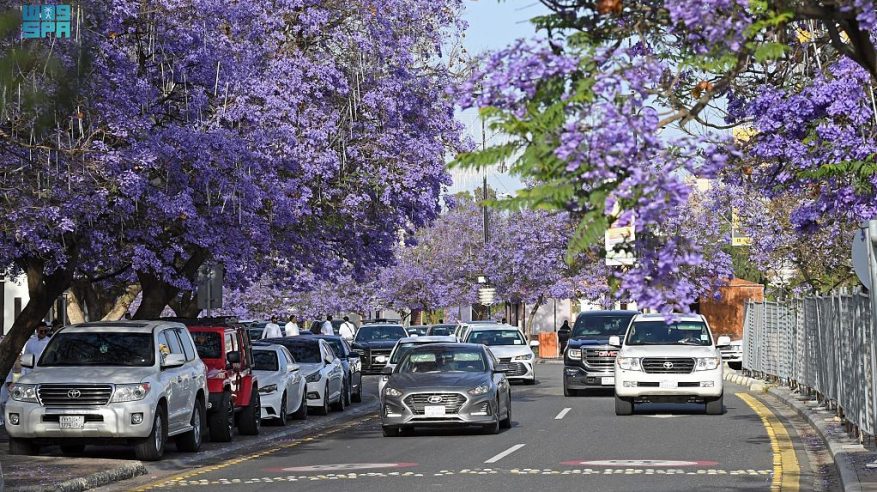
[233, 357]
[723, 341]
[534, 343]
[387, 370]
[173, 360]
[615, 341]
[291, 367]
[28, 360]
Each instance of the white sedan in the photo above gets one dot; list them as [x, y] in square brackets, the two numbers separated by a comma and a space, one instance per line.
[403, 346]
[323, 372]
[282, 386]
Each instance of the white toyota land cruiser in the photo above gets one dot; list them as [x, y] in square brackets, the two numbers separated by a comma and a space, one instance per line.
[662, 362]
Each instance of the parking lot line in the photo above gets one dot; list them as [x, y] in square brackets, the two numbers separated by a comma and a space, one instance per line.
[786, 470]
[505, 453]
[562, 413]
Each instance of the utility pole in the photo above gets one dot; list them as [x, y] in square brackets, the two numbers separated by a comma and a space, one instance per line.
[484, 187]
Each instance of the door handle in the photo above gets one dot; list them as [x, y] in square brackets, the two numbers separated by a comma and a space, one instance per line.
[179, 379]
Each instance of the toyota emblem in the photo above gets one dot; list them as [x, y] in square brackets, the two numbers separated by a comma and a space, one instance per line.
[668, 365]
[435, 399]
[74, 394]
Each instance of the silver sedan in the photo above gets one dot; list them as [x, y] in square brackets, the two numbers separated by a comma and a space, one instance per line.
[446, 384]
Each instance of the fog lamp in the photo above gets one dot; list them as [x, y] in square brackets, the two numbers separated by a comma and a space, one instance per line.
[13, 419]
[136, 418]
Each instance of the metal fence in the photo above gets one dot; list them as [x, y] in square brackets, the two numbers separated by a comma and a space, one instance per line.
[820, 345]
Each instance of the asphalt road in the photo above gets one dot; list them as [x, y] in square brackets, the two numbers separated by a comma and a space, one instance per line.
[555, 443]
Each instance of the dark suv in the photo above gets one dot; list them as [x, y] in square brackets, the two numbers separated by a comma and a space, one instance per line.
[224, 347]
[589, 360]
[374, 343]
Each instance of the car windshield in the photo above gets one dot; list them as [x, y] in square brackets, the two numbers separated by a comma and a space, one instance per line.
[307, 353]
[265, 360]
[661, 333]
[600, 326]
[380, 333]
[496, 337]
[99, 349]
[417, 330]
[208, 345]
[441, 330]
[403, 349]
[427, 359]
[337, 346]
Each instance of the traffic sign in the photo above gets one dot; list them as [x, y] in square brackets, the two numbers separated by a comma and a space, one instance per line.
[860, 256]
[486, 295]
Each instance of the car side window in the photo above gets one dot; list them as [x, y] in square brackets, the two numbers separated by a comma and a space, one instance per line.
[163, 346]
[173, 341]
[288, 354]
[330, 356]
[230, 344]
[188, 348]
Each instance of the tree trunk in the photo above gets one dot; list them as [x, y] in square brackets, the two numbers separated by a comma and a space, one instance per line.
[533, 316]
[43, 290]
[186, 305]
[74, 308]
[157, 293]
[123, 302]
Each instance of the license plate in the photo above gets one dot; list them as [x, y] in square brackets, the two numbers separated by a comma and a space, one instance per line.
[72, 421]
[668, 384]
[434, 411]
[607, 381]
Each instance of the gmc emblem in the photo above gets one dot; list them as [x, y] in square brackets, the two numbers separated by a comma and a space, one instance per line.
[607, 353]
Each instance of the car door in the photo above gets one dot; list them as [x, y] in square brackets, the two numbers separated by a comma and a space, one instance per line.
[297, 386]
[502, 383]
[335, 371]
[193, 371]
[231, 345]
[177, 411]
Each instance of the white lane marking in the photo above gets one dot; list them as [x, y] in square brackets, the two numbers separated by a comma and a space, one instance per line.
[562, 413]
[505, 453]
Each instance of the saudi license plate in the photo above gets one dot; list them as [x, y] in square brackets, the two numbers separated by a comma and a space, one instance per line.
[72, 421]
[434, 411]
[607, 381]
[668, 384]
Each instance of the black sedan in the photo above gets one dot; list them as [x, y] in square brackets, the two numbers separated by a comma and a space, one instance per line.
[351, 362]
[443, 384]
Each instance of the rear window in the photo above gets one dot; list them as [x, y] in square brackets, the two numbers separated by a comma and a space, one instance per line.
[99, 349]
[208, 344]
[266, 360]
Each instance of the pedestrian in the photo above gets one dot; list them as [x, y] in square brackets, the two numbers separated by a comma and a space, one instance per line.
[326, 328]
[563, 335]
[291, 327]
[272, 329]
[347, 330]
[36, 344]
[504, 321]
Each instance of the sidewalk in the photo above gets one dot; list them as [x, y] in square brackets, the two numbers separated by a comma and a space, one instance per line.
[850, 457]
[63, 474]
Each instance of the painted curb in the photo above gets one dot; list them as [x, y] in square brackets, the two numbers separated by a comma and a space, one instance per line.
[99, 479]
[848, 477]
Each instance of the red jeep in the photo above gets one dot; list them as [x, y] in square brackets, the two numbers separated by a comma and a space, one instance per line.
[224, 346]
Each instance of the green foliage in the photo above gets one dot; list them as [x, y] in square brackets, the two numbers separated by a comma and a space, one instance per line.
[859, 173]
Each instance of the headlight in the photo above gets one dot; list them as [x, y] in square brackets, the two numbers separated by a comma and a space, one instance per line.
[313, 378]
[574, 353]
[271, 388]
[628, 363]
[24, 392]
[479, 390]
[707, 363]
[524, 357]
[130, 392]
[390, 391]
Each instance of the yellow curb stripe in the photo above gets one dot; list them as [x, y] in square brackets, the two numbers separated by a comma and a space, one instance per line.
[225, 464]
[786, 470]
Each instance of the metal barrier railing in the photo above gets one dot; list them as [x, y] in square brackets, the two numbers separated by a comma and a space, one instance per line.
[822, 346]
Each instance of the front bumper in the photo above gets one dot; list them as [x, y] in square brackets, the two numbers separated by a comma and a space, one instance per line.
[316, 393]
[694, 386]
[521, 371]
[575, 377]
[476, 410]
[271, 404]
[109, 421]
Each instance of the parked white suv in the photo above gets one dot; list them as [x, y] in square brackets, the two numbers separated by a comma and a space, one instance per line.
[135, 382]
[661, 362]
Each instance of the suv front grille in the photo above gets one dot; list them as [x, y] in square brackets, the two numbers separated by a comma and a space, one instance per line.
[600, 359]
[668, 365]
[451, 401]
[374, 354]
[74, 395]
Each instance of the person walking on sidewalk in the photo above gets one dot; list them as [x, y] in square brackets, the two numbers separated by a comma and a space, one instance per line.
[36, 344]
[347, 330]
[272, 329]
[326, 328]
[291, 327]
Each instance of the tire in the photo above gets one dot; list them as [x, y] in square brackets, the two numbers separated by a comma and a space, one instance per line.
[152, 448]
[282, 416]
[348, 396]
[220, 422]
[530, 382]
[715, 407]
[250, 418]
[735, 365]
[190, 442]
[357, 397]
[390, 431]
[494, 427]
[72, 448]
[302, 412]
[324, 408]
[338, 406]
[569, 392]
[623, 406]
[506, 423]
[23, 447]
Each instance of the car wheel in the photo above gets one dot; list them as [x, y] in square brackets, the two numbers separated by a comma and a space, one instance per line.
[221, 421]
[338, 406]
[530, 381]
[152, 448]
[302, 412]
[191, 441]
[714, 407]
[506, 423]
[357, 397]
[348, 396]
[494, 427]
[24, 447]
[72, 448]
[324, 408]
[283, 416]
[623, 406]
[250, 420]
[569, 392]
[390, 431]
[735, 365]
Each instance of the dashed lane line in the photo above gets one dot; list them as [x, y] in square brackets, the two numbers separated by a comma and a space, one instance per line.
[562, 413]
[786, 470]
[505, 453]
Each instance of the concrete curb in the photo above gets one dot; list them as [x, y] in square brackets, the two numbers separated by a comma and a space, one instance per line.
[99, 479]
[842, 459]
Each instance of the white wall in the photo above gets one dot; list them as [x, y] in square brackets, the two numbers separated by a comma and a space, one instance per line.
[12, 288]
[550, 315]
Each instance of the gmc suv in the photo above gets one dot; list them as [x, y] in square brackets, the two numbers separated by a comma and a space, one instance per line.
[374, 343]
[589, 360]
[110, 382]
[671, 360]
